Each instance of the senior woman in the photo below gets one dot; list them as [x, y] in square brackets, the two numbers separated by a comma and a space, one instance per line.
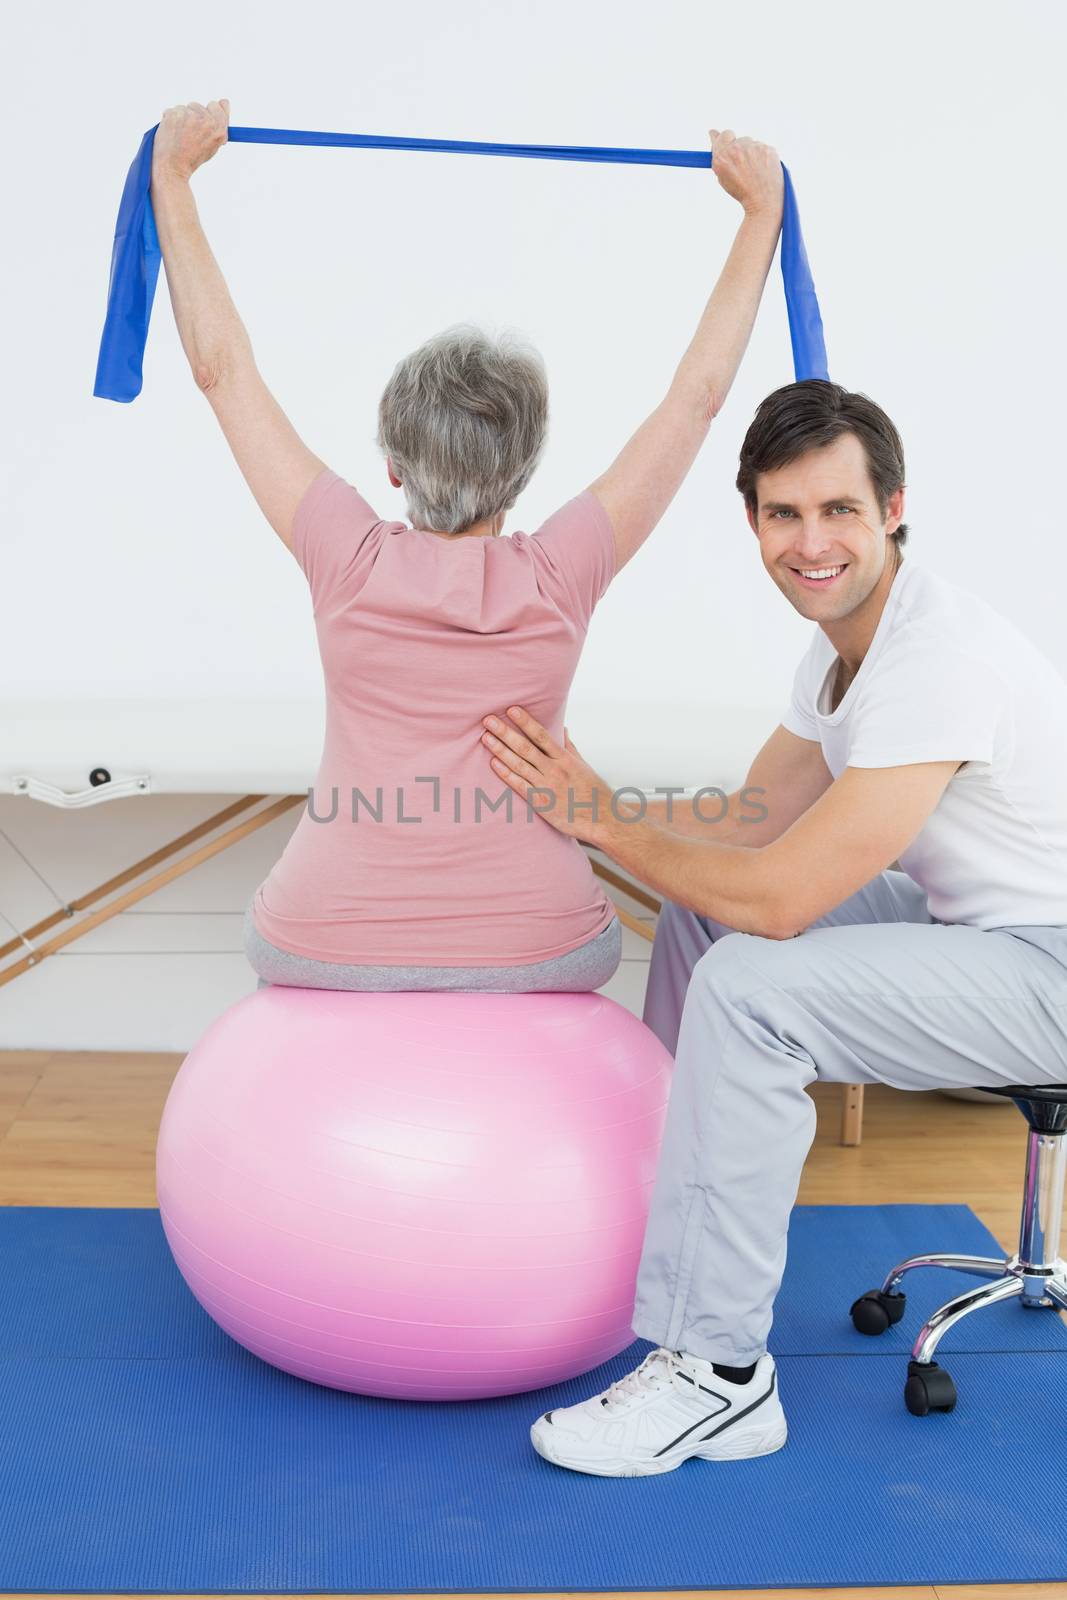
[405, 871]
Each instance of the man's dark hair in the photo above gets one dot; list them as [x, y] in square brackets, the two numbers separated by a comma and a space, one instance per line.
[805, 416]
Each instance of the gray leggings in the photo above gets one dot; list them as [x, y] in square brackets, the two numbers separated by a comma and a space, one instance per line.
[591, 965]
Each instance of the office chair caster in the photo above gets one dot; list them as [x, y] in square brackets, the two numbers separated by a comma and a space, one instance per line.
[876, 1311]
[929, 1388]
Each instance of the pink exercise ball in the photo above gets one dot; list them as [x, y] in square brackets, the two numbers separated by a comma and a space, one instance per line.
[425, 1196]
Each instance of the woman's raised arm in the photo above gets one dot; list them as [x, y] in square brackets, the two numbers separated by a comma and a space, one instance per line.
[644, 478]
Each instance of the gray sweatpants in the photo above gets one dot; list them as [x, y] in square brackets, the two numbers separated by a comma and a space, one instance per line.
[876, 991]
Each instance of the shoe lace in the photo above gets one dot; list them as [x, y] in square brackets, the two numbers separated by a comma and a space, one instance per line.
[655, 1372]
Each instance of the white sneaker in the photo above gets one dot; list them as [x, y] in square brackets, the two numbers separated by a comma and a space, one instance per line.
[671, 1407]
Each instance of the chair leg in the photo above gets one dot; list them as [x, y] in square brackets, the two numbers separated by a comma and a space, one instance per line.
[977, 1266]
[946, 1316]
[852, 1113]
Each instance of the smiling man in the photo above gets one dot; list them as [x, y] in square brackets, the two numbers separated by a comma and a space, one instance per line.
[924, 729]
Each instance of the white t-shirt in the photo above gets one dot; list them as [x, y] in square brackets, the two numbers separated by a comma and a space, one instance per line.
[947, 678]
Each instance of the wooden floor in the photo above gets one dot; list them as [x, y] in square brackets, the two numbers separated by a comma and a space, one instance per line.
[79, 1129]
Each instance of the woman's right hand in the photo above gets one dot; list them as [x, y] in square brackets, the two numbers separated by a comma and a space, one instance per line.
[749, 171]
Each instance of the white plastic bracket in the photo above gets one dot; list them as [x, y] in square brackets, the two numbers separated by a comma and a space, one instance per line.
[70, 799]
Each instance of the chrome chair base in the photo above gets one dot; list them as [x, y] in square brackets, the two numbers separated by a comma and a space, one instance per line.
[1036, 1274]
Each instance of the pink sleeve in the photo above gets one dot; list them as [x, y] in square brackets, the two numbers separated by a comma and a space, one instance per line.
[330, 536]
[579, 546]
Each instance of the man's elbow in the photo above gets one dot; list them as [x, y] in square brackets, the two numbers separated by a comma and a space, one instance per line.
[784, 898]
[777, 928]
[763, 921]
[780, 917]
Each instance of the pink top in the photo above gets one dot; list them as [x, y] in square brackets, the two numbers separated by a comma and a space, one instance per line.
[420, 638]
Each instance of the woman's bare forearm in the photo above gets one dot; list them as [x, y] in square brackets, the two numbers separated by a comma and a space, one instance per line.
[710, 364]
[209, 327]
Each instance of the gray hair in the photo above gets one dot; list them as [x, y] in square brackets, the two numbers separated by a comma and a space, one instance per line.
[464, 420]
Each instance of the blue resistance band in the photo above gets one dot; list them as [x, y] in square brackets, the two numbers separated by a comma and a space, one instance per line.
[135, 255]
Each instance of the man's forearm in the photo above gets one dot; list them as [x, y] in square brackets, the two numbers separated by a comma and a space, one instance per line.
[725, 881]
[712, 814]
[709, 366]
[208, 325]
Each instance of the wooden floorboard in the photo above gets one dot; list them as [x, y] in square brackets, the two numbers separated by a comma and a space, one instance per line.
[78, 1128]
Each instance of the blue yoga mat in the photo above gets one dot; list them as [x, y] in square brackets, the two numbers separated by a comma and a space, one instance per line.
[146, 1452]
[135, 255]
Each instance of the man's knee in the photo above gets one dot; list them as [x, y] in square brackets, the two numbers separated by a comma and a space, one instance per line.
[739, 965]
[740, 992]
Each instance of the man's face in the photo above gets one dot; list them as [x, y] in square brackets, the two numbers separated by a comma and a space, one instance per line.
[822, 537]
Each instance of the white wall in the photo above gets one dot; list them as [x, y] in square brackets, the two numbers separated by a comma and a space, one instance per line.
[925, 145]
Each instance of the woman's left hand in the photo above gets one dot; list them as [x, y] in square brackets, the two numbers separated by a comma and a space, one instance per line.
[188, 136]
[572, 797]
